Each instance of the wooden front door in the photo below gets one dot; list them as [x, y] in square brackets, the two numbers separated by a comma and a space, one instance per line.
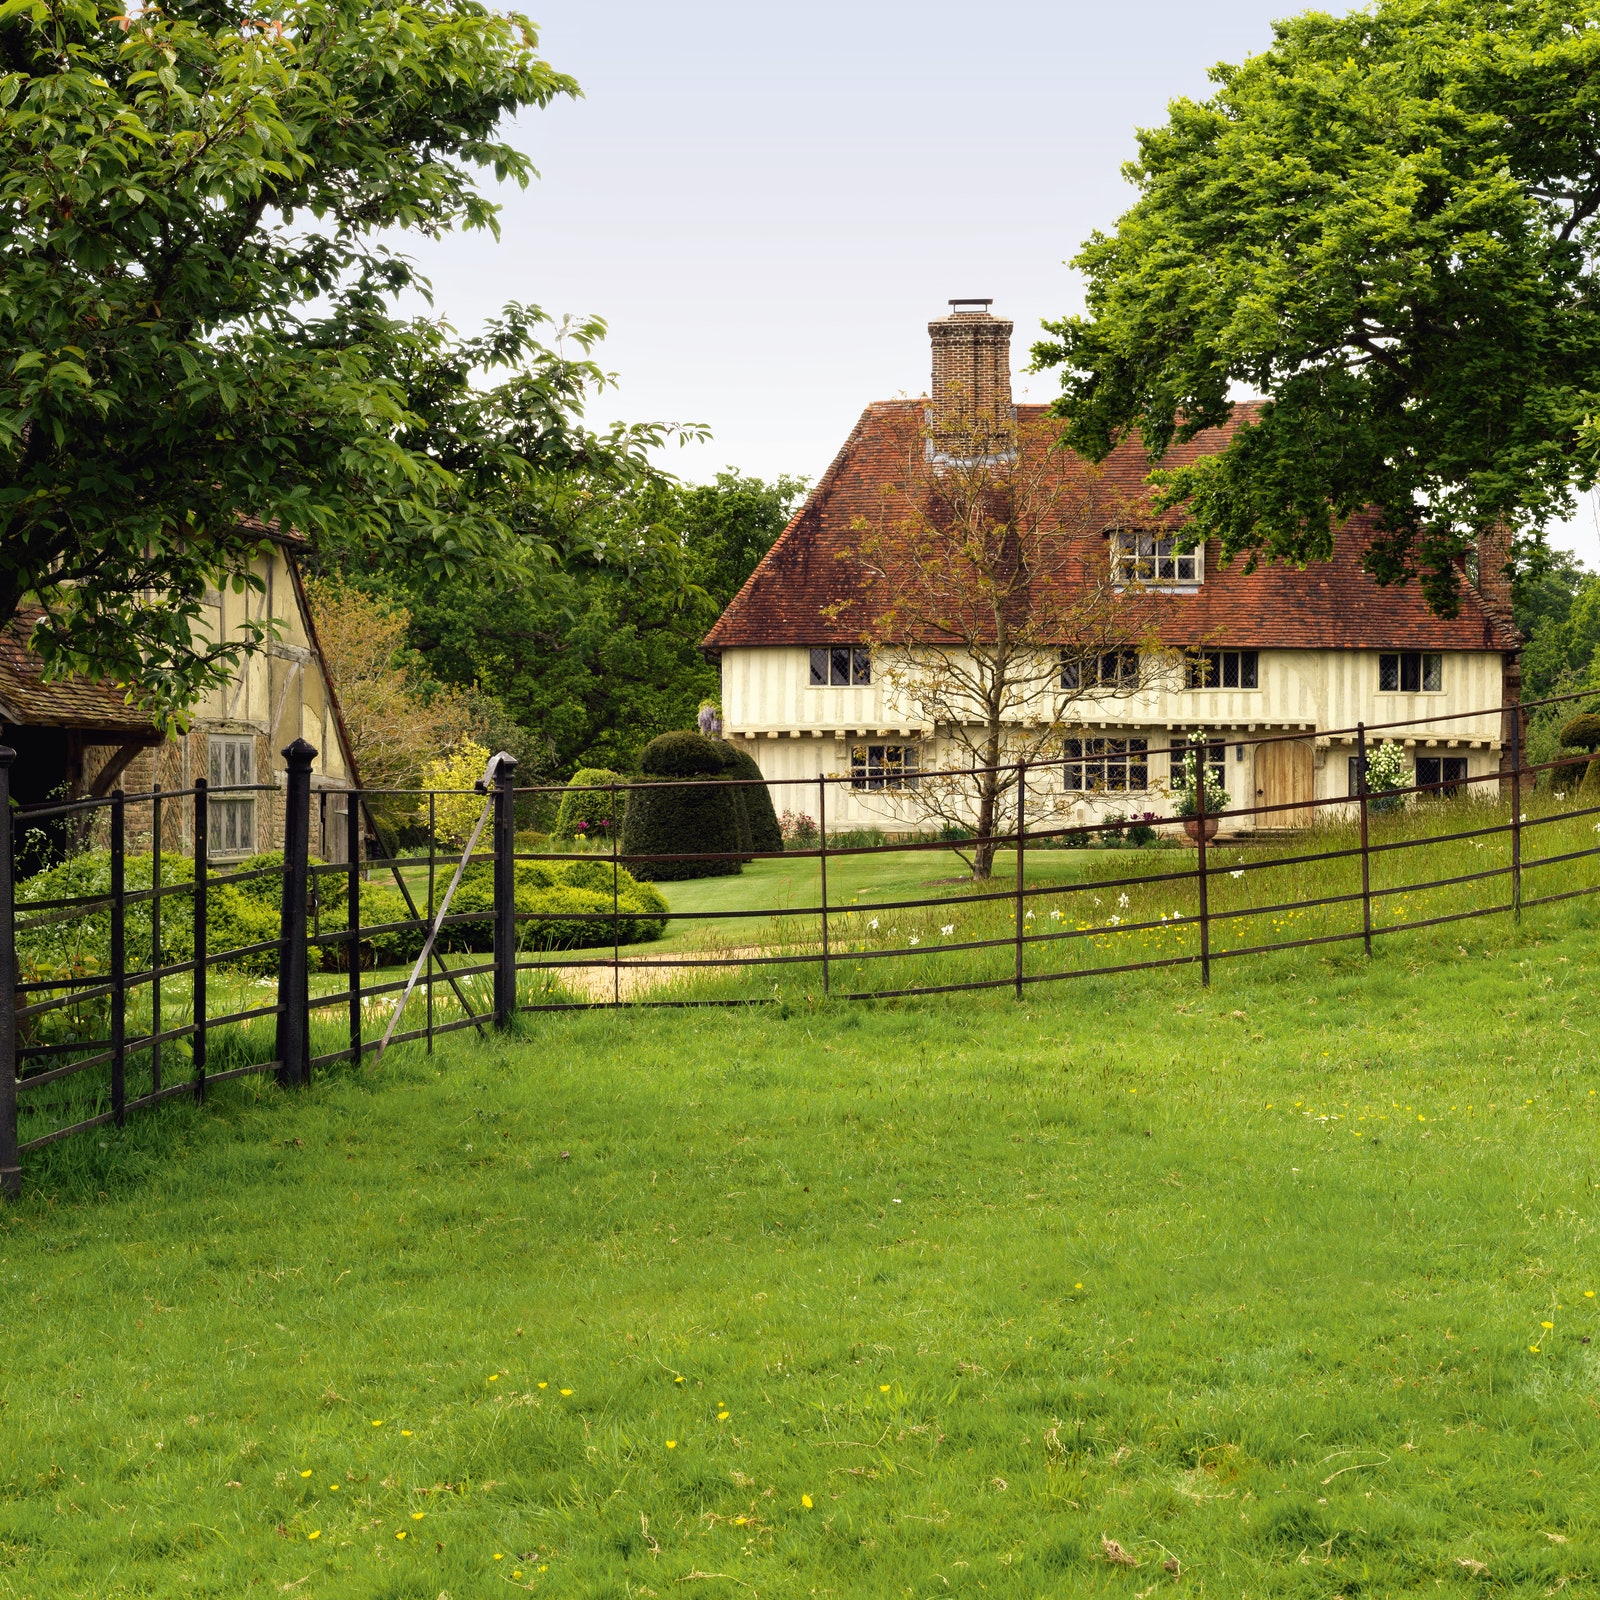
[1285, 776]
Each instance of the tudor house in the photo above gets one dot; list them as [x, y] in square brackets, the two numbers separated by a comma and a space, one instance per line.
[1278, 651]
[77, 739]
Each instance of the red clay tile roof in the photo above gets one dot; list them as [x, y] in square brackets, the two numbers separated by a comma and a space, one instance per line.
[1330, 605]
[27, 700]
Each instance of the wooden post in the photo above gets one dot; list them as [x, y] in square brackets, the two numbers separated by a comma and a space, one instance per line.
[822, 863]
[1022, 801]
[1366, 854]
[119, 960]
[352, 849]
[505, 891]
[202, 869]
[294, 998]
[10, 1161]
[1202, 754]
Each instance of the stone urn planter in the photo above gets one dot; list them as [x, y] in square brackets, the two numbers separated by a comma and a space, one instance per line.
[1191, 826]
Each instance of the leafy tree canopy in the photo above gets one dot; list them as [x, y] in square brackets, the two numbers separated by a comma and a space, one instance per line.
[598, 652]
[196, 320]
[1385, 224]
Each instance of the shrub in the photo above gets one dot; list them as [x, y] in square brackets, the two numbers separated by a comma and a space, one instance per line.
[1387, 770]
[570, 899]
[1582, 732]
[685, 818]
[754, 798]
[587, 813]
[799, 831]
[456, 815]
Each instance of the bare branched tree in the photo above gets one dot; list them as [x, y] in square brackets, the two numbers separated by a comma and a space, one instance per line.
[989, 604]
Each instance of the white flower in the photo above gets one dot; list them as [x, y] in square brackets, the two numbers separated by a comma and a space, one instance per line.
[949, 927]
[1122, 900]
[1237, 873]
[1055, 916]
[1027, 916]
[1523, 817]
[1113, 922]
[1177, 916]
[1097, 897]
[874, 924]
[915, 939]
[1561, 797]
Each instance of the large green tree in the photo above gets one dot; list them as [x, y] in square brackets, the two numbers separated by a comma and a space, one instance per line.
[197, 318]
[600, 651]
[1385, 224]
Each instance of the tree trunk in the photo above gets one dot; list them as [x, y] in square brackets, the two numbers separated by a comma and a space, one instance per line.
[988, 805]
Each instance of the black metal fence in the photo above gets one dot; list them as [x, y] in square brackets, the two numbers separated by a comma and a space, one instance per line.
[89, 1035]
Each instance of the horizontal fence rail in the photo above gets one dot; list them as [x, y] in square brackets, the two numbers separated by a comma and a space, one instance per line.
[168, 965]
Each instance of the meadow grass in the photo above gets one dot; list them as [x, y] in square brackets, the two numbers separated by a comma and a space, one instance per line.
[1288, 1282]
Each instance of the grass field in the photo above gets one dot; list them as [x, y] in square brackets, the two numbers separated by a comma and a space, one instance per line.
[1289, 1283]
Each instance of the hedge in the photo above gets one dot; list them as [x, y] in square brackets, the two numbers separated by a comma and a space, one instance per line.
[554, 892]
[237, 914]
[755, 799]
[685, 818]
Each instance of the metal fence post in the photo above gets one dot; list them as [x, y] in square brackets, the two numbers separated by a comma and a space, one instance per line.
[1202, 755]
[822, 864]
[1022, 802]
[294, 998]
[616, 927]
[505, 891]
[352, 848]
[155, 938]
[1516, 812]
[10, 1161]
[1366, 854]
[202, 870]
[119, 960]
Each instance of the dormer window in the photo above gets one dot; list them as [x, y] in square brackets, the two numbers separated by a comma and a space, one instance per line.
[1151, 558]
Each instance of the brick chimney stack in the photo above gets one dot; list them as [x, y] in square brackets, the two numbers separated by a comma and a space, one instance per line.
[1494, 586]
[972, 409]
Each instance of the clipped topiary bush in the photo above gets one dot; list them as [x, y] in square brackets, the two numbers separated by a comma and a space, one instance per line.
[1583, 733]
[684, 818]
[586, 813]
[755, 799]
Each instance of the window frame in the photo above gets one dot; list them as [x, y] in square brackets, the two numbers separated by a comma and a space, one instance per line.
[1211, 668]
[1128, 670]
[869, 774]
[1126, 755]
[230, 817]
[839, 666]
[1422, 664]
[1137, 556]
[1442, 785]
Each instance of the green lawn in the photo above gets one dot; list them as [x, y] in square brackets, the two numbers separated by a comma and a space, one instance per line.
[1289, 1282]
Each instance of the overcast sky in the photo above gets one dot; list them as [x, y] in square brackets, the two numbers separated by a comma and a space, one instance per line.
[768, 202]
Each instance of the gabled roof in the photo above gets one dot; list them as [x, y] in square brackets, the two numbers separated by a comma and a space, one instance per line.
[1331, 605]
[27, 700]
